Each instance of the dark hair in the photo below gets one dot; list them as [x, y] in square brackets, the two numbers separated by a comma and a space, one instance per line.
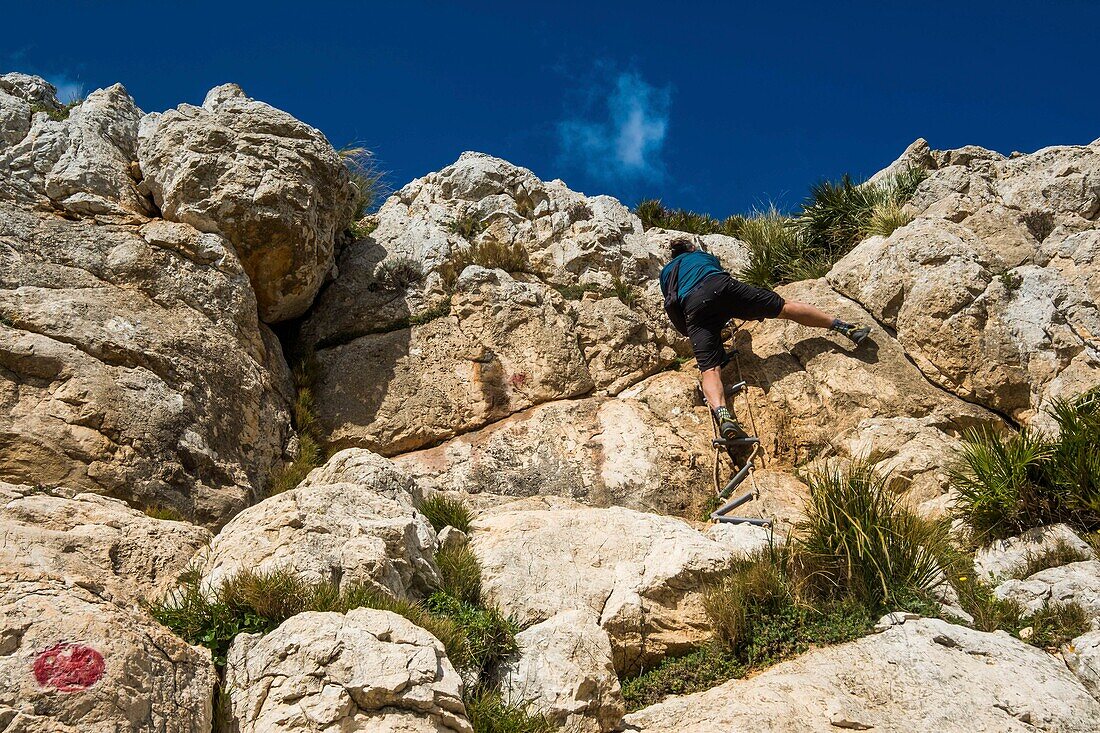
[679, 245]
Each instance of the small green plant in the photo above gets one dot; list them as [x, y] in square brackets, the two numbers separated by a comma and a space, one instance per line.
[488, 637]
[778, 252]
[310, 454]
[576, 292]
[885, 218]
[467, 226]
[489, 713]
[61, 113]
[1056, 624]
[654, 214]
[1050, 626]
[1011, 281]
[625, 292]
[461, 574]
[397, 273]
[362, 228]
[156, 511]
[1040, 223]
[1061, 553]
[444, 511]
[489, 253]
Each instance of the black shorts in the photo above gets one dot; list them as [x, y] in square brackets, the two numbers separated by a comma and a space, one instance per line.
[714, 301]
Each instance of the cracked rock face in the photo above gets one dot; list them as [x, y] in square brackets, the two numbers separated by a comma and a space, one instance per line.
[349, 522]
[270, 184]
[95, 542]
[364, 670]
[1001, 559]
[564, 671]
[1077, 582]
[646, 448]
[991, 289]
[921, 675]
[121, 347]
[640, 574]
[70, 658]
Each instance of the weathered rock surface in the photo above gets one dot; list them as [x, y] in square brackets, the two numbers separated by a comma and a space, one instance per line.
[270, 184]
[640, 574]
[920, 675]
[1082, 656]
[564, 671]
[1002, 559]
[983, 305]
[94, 542]
[1078, 582]
[361, 531]
[132, 363]
[70, 658]
[80, 164]
[648, 449]
[364, 670]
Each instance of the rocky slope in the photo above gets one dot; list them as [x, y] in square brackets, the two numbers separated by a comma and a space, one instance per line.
[499, 339]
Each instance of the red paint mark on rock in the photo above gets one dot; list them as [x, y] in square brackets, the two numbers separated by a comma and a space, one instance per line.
[69, 667]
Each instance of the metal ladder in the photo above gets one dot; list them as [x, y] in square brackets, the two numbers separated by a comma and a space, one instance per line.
[722, 513]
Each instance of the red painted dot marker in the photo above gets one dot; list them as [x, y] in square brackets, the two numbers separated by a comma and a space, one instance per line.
[68, 667]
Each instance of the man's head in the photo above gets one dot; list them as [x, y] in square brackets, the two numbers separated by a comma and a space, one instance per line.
[680, 245]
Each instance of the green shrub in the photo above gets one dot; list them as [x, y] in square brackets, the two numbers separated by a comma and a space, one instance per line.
[989, 612]
[1061, 553]
[754, 590]
[654, 214]
[488, 637]
[1008, 484]
[857, 542]
[397, 273]
[625, 292]
[443, 511]
[778, 252]
[700, 670]
[156, 511]
[467, 226]
[489, 713]
[489, 253]
[1056, 624]
[885, 218]
[461, 574]
[1052, 625]
[58, 114]
[576, 292]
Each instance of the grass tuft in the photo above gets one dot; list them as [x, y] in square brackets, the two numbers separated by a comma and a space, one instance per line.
[443, 511]
[1061, 553]
[885, 218]
[369, 182]
[489, 713]
[654, 214]
[489, 253]
[461, 574]
[310, 453]
[397, 273]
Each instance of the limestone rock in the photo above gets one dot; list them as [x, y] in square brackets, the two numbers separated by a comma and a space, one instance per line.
[1003, 558]
[273, 186]
[641, 574]
[364, 670]
[95, 542]
[134, 365]
[921, 675]
[1063, 178]
[807, 387]
[619, 347]
[1078, 582]
[917, 155]
[741, 539]
[360, 531]
[362, 467]
[70, 658]
[648, 449]
[505, 347]
[1082, 655]
[80, 164]
[564, 671]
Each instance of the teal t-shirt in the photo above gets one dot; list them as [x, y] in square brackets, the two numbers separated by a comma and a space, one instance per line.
[693, 268]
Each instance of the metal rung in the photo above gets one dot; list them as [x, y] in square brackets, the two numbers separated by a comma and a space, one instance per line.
[727, 443]
[733, 482]
[742, 520]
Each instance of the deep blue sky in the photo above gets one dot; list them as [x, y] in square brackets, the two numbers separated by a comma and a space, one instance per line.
[718, 107]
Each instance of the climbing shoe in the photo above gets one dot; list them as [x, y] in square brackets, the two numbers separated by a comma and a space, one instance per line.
[728, 427]
[858, 334]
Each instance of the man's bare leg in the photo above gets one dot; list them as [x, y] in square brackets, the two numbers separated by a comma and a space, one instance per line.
[713, 389]
[809, 315]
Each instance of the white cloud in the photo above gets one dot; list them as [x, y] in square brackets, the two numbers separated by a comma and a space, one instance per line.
[621, 135]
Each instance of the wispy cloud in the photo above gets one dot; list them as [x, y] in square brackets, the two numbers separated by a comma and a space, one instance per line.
[620, 134]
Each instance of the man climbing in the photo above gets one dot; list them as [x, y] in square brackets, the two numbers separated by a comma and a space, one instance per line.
[701, 297]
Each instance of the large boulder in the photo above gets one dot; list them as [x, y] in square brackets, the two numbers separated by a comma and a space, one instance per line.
[641, 574]
[132, 363]
[991, 289]
[270, 184]
[364, 670]
[71, 660]
[79, 163]
[505, 347]
[921, 675]
[1077, 582]
[95, 542]
[564, 671]
[811, 391]
[1082, 655]
[647, 449]
[362, 530]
